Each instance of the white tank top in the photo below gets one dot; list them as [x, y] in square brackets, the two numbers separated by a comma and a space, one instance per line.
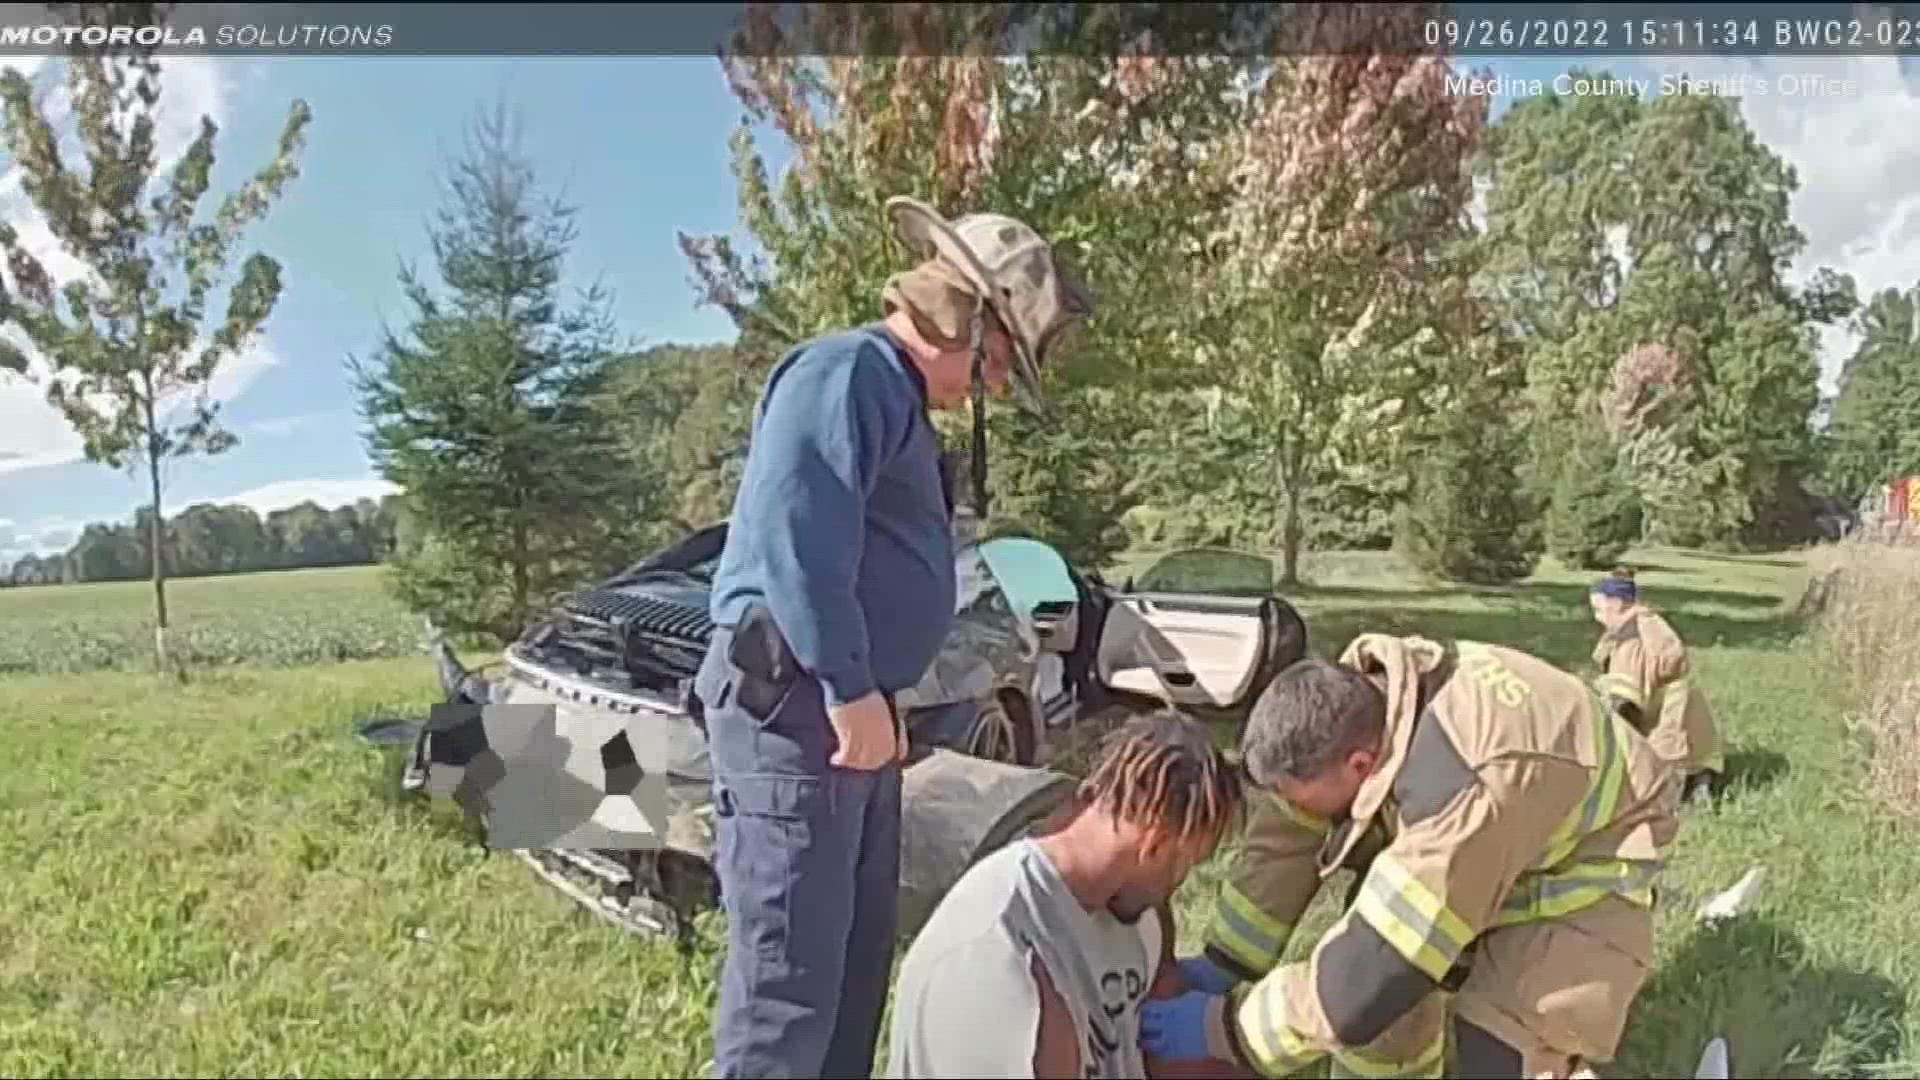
[965, 1004]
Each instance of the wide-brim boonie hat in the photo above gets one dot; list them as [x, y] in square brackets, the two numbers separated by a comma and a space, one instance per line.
[1015, 272]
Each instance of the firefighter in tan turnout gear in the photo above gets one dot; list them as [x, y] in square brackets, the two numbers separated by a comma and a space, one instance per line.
[1648, 678]
[1507, 827]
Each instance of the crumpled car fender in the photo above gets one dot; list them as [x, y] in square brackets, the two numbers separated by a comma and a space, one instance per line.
[986, 648]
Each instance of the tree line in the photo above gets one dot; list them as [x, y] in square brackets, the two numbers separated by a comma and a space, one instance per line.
[1341, 306]
[208, 538]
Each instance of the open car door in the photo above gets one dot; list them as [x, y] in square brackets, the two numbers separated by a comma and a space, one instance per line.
[1202, 628]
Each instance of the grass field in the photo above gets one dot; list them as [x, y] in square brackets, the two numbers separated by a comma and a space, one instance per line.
[217, 878]
[285, 617]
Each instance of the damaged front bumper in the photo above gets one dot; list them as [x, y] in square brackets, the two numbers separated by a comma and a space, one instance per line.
[956, 808]
[581, 706]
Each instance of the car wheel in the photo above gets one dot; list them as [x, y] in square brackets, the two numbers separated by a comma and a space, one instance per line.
[1003, 731]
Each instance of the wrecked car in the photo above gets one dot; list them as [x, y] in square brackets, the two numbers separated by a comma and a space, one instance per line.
[1035, 646]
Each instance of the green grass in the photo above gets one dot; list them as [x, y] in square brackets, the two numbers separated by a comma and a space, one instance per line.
[218, 878]
[286, 617]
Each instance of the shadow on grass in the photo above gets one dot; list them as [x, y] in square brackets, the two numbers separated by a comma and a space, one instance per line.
[1638, 568]
[1749, 560]
[1371, 595]
[442, 818]
[1783, 1014]
[1751, 770]
[1551, 621]
[1674, 598]
[1563, 640]
[1572, 595]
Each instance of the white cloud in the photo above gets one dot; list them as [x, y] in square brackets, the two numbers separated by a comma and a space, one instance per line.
[329, 493]
[41, 536]
[32, 433]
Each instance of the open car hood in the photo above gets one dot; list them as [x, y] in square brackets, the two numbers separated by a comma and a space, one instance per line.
[663, 600]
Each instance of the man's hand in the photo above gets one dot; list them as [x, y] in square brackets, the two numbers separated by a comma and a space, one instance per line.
[1180, 1028]
[869, 738]
[1203, 974]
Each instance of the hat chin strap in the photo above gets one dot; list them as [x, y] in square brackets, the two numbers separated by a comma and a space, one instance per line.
[977, 334]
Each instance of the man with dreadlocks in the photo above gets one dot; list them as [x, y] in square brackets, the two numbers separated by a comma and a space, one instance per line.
[1036, 962]
[1506, 828]
[834, 593]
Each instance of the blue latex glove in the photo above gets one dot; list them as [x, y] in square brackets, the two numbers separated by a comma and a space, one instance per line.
[1176, 1027]
[1201, 973]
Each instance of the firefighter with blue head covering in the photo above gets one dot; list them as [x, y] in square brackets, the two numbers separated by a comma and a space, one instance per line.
[1647, 677]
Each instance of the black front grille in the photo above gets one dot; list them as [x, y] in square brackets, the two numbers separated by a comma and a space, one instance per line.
[643, 616]
[654, 643]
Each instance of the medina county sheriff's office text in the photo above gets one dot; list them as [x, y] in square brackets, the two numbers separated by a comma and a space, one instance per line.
[242, 35]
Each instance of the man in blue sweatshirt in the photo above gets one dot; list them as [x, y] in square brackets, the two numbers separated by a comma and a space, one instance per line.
[834, 593]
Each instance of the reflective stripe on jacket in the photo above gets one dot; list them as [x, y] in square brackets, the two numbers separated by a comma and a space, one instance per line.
[1509, 793]
[1647, 675]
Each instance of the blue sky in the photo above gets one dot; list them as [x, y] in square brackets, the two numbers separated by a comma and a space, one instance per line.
[638, 145]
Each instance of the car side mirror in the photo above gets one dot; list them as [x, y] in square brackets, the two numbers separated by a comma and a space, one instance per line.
[1128, 587]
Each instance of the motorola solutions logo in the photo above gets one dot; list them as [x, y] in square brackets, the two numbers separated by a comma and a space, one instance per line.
[220, 35]
[537, 783]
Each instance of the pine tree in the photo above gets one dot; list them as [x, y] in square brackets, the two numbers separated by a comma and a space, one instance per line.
[1595, 513]
[515, 490]
[1468, 518]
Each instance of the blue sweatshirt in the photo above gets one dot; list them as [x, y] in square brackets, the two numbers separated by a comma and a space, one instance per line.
[841, 526]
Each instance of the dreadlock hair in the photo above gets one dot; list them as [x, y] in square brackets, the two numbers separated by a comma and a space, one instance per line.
[1162, 768]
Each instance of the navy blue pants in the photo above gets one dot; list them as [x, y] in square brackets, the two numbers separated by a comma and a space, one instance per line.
[808, 857]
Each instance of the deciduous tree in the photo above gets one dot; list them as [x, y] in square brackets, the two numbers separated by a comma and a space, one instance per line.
[1874, 434]
[1092, 137]
[1557, 198]
[129, 366]
[676, 411]
[1613, 222]
[1336, 271]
